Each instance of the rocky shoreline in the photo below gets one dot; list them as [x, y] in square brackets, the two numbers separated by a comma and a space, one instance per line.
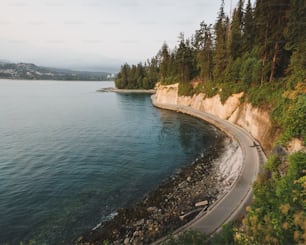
[170, 206]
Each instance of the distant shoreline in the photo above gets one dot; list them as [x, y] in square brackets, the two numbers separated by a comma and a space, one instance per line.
[50, 80]
[128, 91]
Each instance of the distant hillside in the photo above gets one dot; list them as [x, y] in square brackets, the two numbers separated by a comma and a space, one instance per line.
[34, 72]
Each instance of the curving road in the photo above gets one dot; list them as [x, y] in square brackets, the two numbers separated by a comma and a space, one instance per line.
[232, 205]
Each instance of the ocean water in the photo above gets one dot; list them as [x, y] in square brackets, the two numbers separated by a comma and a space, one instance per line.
[71, 156]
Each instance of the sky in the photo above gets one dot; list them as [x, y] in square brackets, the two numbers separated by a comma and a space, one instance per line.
[90, 34]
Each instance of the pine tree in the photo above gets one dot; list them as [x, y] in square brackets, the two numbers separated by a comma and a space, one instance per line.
[185, 61]
[236, 35]
[248, 29]
[220, 54]
[240, 13]
[278, 17]
[204, 46]
[139, 75]
[165, 60]
[295, 40]
[295, 30]
[122, 78]
[262, 26]
[271, 20]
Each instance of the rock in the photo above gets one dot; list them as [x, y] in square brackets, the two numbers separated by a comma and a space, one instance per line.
[158, 214]
[139, 222]
[126, 241]
[202, 203]
[79, 239]
[279, 150]
[152, 209]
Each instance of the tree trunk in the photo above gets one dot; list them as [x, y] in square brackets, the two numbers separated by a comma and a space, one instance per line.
[273, 66]
[264, 59]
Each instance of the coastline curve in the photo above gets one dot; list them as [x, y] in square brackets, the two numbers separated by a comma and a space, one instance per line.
[232, 204]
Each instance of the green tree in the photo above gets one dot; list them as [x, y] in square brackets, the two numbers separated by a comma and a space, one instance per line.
[278, 213]
[236, 31]
[295, 41]
[236, 38]
[185, 61]
[295, 120]
[139, 76]
[204, 45]
[271, 19]
[122, 77]
[248, 36]
[220, 53]
[165, 62]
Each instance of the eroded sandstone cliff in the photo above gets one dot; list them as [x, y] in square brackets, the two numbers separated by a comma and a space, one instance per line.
[255, 120]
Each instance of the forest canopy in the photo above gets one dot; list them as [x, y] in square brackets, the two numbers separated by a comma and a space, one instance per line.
[255, 45]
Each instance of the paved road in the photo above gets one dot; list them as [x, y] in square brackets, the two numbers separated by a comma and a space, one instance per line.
[232, 205]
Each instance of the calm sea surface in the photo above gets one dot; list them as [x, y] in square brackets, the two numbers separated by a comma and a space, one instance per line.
[71, 156]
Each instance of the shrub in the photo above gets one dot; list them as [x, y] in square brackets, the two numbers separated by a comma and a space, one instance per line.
[185, 89]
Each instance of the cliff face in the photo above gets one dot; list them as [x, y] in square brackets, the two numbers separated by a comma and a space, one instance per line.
[254, 120]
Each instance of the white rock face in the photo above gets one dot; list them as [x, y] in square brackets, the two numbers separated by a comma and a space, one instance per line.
[296, 145]
[167, 94]
[254, 120]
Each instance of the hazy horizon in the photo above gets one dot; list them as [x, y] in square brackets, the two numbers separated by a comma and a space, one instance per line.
[92, 34]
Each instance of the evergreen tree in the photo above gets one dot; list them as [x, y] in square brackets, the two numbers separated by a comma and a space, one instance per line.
[204, 45]
[236, 35]
[165, 62]
[122, 78]
[295, 40]
[279, 19]
[220, 54]
[248, 29]
[295, 31]
[139, 76]
[185, 61]
[271, 20]
[262, 27]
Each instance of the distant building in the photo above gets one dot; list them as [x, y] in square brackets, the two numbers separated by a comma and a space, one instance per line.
[111, 76]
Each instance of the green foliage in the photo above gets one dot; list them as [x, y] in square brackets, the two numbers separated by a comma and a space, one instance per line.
[204, 46]
[297, 67]
[191, 237]
[227, 89]
[170, 80]
[185, 89]
[137, 77]
[236, 32]
[273, 163]
[209, 88]
[221, 52]
[277, 216]
[294, 121]
[186, 61]
[266, 95]
[250, 68]
[248, 28]
[225, 237]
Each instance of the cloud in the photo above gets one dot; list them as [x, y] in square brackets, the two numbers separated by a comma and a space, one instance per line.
[127, 30]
